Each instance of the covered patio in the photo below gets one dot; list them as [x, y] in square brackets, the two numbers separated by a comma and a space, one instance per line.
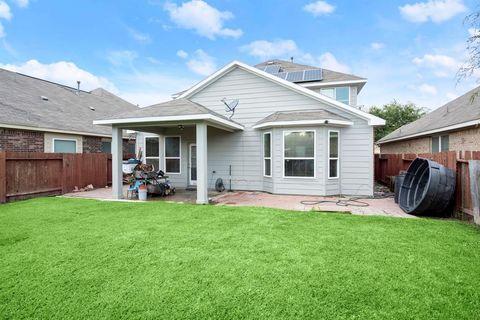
[179, 113]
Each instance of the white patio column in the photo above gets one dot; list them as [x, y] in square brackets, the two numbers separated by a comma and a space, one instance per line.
[202, 174]
[117, 158]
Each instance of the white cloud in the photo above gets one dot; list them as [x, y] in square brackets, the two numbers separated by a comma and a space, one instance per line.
[142, 38]
[377, 45]
[63, 72]
[2, 31]
[206, 20]
[201, 63]
[22, 3]
[319, 8]
[122, 57]
[443, 66]
[182, 54]
[473, 32]
[271, 49]
[427, 89]
[5, 12]
[451, 96]
[328, 61]
[434, 10]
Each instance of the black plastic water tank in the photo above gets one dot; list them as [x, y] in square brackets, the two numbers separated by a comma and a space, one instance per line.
[398, 185]
[428, 188]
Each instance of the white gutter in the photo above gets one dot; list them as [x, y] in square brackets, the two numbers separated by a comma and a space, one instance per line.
[209, 117]
[332, 83]
[302, 123]
[83, 133]
[425, 133]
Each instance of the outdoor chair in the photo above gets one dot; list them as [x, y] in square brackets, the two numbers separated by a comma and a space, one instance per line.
[133, 190]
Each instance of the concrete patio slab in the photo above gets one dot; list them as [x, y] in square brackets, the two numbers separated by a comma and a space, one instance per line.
[378, 207]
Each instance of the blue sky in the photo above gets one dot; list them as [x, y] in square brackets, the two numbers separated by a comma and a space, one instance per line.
[145, 50]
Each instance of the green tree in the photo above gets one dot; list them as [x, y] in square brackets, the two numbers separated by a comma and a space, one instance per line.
[395, 115]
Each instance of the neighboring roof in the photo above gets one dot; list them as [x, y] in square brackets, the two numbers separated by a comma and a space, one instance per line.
[35, 104]
[306, 117]
[174, 110]
[372, 120]
[459, 113]
[327, 75]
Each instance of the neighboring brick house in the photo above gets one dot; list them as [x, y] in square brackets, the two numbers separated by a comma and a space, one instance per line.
[42, 116]
[452, 127]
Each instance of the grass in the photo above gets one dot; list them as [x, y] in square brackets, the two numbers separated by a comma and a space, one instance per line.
[76, 259]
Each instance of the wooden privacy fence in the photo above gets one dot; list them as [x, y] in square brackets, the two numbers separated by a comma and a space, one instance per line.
[387, 166]
[28, 174]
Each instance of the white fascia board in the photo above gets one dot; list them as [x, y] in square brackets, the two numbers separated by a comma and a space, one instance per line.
[331, 83]
[80, 133]
[213, 118]
[303, 123]
[429, 132]
[372, 120]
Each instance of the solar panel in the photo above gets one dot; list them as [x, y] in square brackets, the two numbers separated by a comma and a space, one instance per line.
[313, 75]
[281, 75]
[273, 69]
[295, 76]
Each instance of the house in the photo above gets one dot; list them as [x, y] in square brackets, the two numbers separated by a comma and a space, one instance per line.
[452, 127]
[42, 116]
[291, 132]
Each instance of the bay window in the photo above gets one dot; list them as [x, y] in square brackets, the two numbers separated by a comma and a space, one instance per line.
[172, 154]
[267, 154]
[299, 154]
[333, 154]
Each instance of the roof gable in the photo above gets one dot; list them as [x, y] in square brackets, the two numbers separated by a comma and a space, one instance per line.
[372, 120]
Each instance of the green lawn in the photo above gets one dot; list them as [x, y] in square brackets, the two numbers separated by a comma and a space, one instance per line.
[67, 258]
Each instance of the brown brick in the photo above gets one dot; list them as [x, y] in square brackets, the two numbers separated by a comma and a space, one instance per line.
[21, 140]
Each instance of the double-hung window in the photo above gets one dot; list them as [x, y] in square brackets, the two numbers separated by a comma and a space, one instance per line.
[440, 143]
[267, 154]
[172, 154]
[152, 152]
[333, 154]
[299, 154]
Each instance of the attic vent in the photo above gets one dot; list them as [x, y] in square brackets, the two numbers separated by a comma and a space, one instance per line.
[91, 108]
[44, 98]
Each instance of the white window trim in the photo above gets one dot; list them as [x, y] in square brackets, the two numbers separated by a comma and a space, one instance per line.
[165, 158]
[145, 150]
[440, 142]
[296, 158]
[330, 158]
[64, 139]
[335, 93]
[271, 153]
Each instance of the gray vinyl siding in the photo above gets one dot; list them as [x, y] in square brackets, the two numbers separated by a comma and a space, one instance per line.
[242, 150]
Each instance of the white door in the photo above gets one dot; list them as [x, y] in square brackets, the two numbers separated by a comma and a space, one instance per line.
[192, 161]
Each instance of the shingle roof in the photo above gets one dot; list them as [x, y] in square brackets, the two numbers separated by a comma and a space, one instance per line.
[301, 115]
[177, 107]
[327, 75]
[463, 109]
[22, 105]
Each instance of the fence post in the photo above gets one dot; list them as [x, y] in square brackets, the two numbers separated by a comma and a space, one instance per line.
[474, 168]
[3, 177]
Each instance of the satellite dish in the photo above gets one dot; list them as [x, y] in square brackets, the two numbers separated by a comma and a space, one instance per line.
[230, 106]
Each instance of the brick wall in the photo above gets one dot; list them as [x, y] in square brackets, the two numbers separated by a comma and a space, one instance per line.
[92, 144]
[21, 140]
[465, 140]
[419, 145]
